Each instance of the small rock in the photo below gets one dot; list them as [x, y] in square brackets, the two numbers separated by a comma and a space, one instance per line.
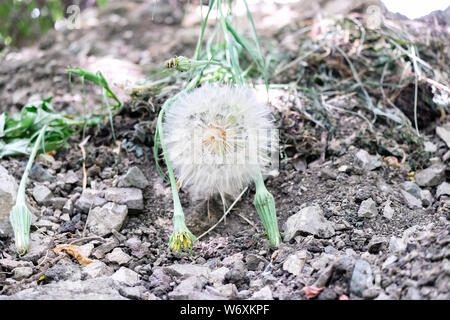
[295, 262]
[133, 178]
[40, 174]
[390, 260]
[371, 293]
[179, 270]
[68, 207]
[426, 197]
[443, 189]
[368, 209]
[376, 244]
[430, 147]
[444, 134]
[309, 220]
[131, 197]
[217, 276]
[231, 260]
[97, 269]
[388, 212]
[102, 220]
[431, 176]
[327, 173]
[263, 294]
[39, 245]
[367, 161]
[21, 273]
[71, 177]
[63, 270]
[86, 249]
[58, 202]
[411, 201]
[191, 289]
[397, 245]
[42, 194]
[362, 277]
[411, 188]
[90, 199]
[131, 292]
[126, 276]
[253, 261]
[138, 249]
[65, 217]
[103, 249]
[118, 256]
[13, 264]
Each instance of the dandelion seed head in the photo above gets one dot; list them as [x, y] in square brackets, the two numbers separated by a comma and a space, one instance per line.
[218, 138]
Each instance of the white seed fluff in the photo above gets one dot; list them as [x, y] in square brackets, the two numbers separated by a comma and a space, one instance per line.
[218, 138]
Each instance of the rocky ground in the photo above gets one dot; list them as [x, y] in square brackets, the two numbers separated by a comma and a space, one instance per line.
[355, 224]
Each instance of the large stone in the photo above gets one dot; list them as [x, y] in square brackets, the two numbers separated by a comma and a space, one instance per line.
[102, 220]
[309, 220]
[131, 197]
[90, 199]
[133, 178]
[367, 161]
[8, 194]
[91, 289]
[368, 209]
[431, 176]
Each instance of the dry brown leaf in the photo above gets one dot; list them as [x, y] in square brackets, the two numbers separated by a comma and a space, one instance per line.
[311, 292]
[75, 252]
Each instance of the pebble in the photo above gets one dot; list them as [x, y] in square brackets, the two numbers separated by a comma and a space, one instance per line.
[426, 197]
[294, 263]
[430, 147]
[309, 220]
[126, 276]
[411, 201]
[367, 161]
[102, 220]
[118, 256]
[133, 178]
[70, 177]
[263, 294]
[376, 244]
[411, 188]
[388, 212]
[42, 194]
[397, 245]
[131, 197]
[90, 199]
[368, 209]
[254, 262]
[97, 269]
[431, 176]
[40, 174]
[21, 273]
[179, 270]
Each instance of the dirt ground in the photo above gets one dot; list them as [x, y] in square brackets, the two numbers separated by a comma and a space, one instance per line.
[397, 249]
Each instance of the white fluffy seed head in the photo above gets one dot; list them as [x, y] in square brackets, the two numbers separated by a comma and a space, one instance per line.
[218, 138]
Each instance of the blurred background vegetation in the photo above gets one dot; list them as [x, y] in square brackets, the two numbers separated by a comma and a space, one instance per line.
[21, 21]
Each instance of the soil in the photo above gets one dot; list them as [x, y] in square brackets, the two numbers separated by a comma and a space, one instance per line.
[317, 169]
